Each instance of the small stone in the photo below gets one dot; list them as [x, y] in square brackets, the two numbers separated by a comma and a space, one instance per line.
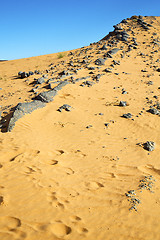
[106, 124]
[65, 107]
[150, 82]
[123, 104]
[154, 111]
[104, 47]
[127, 115]
[100, 61]
[22, 74]
[149, 146]
[89, 126]
[108, 70]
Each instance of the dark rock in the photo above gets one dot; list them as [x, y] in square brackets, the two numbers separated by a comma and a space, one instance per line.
[40, 80]
[84, 61]
[123, 104]
[34, 90]
[47, 96]
[30, 73]
[113, 51]
[154, 111]
[109, 55]
[149, 146]
[22, 109]
[158, 70]
[150, 82]
[87, 83]
[127, 115]
[108, 70]
[89, 126]
[63, 73]
[104, 47]
[116, 63]
[100, 61]
[91, 68]
[61, 85]
[97, 77]
[22, 74]
[124, 21]
[66, 107]
[117, 27]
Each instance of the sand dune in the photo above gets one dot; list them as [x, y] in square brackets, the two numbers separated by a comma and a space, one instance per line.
[84, 172]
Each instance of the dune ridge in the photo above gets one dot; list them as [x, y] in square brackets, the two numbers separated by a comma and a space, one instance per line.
[84, 164]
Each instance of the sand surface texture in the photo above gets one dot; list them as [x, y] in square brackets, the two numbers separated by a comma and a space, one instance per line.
[84, 170]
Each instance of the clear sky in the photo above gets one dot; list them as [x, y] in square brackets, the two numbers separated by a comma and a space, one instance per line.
[36, 27]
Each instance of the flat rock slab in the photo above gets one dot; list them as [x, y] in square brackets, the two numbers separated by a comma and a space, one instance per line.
[114, 51]
[49, 95]
[22, 109]
[61, 85]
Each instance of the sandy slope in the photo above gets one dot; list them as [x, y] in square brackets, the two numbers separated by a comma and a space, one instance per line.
[61, 180]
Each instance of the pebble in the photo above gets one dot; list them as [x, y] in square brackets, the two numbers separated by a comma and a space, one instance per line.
[127, 115]
[100, 61]
[108, 70]
[66, 107]
[106, 124]
[89, 126]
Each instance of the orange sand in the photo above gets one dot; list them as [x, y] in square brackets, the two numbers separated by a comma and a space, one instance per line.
[61, 180]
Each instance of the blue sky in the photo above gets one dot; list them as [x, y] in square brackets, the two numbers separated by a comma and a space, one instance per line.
[36, 27]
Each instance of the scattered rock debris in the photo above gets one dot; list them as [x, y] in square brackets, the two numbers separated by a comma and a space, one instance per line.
[146, 183]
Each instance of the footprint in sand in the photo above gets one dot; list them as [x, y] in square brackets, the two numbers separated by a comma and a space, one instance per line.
[78, 225]
[68, 171]
[75, 219]
[1, 200]
[53, 162]
[9, 228]
[67, 96]
[60, 152]
[59, 229]
[82, 230]
[6, 236]
[28, 155]
[54, 201]
[93, 185]
[9, 223]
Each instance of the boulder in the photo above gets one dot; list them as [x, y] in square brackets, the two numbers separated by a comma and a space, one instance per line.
[22, 109]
